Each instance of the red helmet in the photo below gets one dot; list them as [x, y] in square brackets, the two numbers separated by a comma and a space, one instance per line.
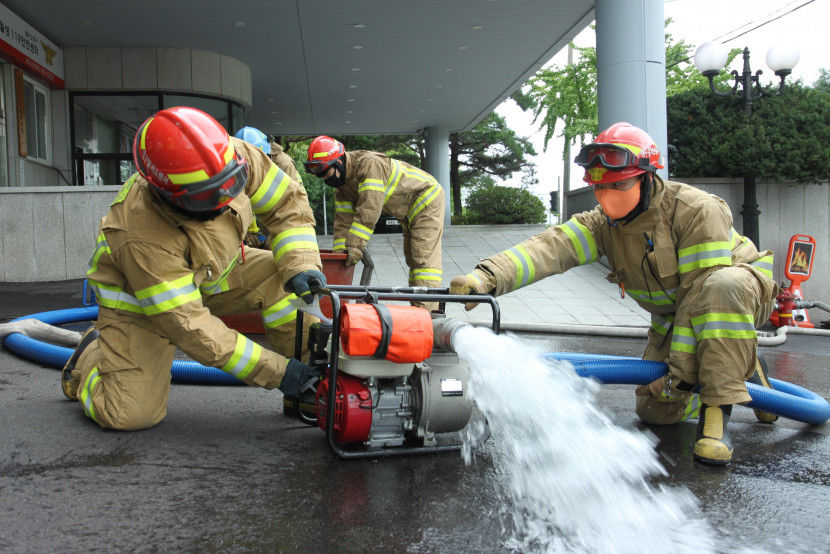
[619, 152]
[188, 157]
[323, 152]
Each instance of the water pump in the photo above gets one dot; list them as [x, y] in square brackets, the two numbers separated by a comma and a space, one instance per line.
[392, 381]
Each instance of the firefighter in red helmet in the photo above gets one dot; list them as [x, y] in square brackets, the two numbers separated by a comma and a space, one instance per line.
[369, 184]
[169, 259]
[673, 249]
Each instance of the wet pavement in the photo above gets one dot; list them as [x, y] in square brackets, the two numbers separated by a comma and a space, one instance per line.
[225, 471]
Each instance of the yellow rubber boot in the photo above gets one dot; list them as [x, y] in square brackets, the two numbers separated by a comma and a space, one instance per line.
[713, 446]
[760, 378]
[69, 382]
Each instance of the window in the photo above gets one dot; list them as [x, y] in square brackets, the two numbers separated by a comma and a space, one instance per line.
[36, 102]
[104, 125]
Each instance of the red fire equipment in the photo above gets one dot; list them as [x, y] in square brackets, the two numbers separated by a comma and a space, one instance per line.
[791, 308]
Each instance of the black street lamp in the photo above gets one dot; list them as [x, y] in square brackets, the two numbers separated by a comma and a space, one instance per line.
[710, 58]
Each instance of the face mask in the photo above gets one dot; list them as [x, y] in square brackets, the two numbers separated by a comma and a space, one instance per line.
[618, 203]
[338, 179]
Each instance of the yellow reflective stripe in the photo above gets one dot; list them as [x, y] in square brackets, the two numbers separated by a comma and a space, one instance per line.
[280, 313]
[187, 178]
[270, 191]
[371, 184]
[86, 393]
[101, 247]
[221, 284]
[229, 153]
[683, 340]
[661, 324]
[525, 270]
[168, 295]
[339, 244]
[245, 356]
[724, 325]
[707, 254]
[344, 207]
[735, 238]
[764, 265]
[361, 231]
[582, 239]
[125, 190]
[322, 154]
[658, 298]
[293, 239]
[144, 132]
[426, 274]
[423, 201]
[692, 409]
[112, 297]
[394, 179]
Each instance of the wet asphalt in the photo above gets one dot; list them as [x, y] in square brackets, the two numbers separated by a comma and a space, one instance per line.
[226, 471]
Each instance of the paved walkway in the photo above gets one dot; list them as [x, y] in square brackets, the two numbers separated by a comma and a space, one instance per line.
[581, 296]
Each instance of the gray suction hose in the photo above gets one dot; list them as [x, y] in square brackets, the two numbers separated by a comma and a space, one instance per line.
[777, 338]
[444, 328]
[38, 330]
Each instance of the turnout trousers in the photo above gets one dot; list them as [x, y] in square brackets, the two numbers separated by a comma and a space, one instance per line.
[125, 373]
[716, 349]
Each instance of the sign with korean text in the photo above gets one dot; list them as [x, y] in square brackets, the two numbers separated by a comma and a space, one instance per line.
[23, 45]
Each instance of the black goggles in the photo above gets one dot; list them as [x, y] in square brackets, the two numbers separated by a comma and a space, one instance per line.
[609, 156]
[215, 192]
[315, 167]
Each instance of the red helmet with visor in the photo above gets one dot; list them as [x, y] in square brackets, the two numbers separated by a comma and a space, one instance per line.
[187, 156]
[619, 152]
[323, 152]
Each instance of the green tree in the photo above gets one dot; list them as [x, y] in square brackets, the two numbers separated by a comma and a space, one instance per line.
[490, 148]
[786, 138]
[493, 204]
[565, 98]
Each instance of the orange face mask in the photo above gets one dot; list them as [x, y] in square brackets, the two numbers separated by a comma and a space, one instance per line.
[618, 203]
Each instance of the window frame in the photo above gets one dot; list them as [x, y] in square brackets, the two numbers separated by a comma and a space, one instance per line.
[79, 158]
[47, 127]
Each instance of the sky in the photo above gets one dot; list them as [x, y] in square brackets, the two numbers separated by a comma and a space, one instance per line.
[698, 21]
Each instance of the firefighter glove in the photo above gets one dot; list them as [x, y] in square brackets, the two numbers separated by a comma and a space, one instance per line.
[303, 283]
[355, 255]
[297, 377]
[668, 388]
[477, 282]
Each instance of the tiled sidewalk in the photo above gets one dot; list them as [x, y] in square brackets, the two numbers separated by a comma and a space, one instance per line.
[581, 296]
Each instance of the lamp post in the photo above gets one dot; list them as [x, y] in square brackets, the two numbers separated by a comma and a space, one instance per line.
[709, 60]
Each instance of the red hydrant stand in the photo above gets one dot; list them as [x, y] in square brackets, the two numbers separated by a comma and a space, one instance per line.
[798, 269]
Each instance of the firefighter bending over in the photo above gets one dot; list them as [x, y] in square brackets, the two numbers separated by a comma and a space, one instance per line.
[369, 184]
[169, 259]
[672, 248]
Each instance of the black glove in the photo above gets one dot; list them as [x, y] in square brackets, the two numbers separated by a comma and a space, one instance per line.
[302, 283]
[297, 376]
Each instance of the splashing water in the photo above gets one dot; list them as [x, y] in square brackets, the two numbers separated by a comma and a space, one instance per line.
[574, 482]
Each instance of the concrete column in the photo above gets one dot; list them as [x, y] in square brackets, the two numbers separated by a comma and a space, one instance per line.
[438, 162]
[631, 67]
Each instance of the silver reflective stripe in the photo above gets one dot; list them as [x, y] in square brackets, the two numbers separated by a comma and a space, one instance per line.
[310, 237]
[580, 236]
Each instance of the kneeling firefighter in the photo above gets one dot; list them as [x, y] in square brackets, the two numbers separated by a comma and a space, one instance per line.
[169, 259]
[673, 249]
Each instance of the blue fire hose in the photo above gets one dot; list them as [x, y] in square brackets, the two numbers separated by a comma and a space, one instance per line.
[784, 399]
[183, 371]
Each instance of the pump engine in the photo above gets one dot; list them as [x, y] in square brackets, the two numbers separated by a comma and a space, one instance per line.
[397, 381]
